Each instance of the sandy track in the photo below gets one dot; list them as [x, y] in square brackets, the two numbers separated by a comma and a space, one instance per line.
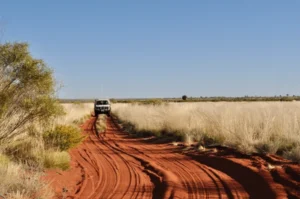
[113, 165]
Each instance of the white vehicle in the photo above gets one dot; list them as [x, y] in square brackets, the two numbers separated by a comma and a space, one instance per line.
[102, 106]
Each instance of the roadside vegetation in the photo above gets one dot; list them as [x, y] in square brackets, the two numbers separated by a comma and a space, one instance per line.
[101, 123]
[75, 113]
[256, 127]
[36, 130]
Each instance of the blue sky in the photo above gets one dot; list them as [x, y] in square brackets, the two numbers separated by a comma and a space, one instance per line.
[159, 48]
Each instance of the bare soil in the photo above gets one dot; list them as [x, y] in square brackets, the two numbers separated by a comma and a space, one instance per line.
[114, 165]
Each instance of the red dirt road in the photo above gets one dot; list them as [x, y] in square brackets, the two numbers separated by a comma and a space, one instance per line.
[116, 166]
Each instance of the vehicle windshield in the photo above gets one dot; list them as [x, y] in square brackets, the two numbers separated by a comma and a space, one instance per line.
[102, 102]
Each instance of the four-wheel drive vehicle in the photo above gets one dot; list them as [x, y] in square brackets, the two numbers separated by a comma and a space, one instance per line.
[102, 106]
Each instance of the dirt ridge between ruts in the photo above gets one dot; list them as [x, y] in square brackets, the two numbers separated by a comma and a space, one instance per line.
[115, 165]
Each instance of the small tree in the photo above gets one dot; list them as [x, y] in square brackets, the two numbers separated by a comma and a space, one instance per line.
[27, 90]
[184, 97]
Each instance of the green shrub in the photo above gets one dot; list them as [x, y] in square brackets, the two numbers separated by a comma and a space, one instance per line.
[57, 159]
[63, 137]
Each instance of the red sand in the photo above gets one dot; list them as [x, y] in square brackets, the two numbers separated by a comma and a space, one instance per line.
[116, 166]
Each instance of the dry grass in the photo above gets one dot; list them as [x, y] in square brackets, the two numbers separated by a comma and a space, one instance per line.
[57, 159]
[28, 151]
[101, 123]
[265, 127]
[22, 159]
[17, 182]
[75, 113]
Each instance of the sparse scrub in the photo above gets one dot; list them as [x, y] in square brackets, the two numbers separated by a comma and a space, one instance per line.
[264, 127]
[63, 137]
[29, 149]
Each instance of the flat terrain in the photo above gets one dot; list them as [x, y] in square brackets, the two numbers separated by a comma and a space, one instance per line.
[115, 165]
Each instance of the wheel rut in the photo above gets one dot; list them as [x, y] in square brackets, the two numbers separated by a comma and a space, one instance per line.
[117, 166]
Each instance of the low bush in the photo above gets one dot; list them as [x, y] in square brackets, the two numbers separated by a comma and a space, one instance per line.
[63, 137]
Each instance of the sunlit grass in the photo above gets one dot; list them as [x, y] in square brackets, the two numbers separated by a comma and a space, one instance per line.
[75, 113]
[18, 182]
[57, 159]
[264, 127]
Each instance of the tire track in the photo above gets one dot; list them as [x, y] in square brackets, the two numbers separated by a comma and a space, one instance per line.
[218, 182]
[113, 165]
[211, 188]
[126, 170]
[131, 169]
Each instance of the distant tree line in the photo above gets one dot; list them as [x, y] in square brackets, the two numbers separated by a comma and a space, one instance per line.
[184, 98]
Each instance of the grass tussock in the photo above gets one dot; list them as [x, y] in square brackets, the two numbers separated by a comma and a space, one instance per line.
[63, 137]
[26, 151]
[57, 159]
[17, 182]
[264, 127]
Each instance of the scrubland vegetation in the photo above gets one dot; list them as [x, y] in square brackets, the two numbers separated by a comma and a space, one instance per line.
[263, 127]
[36, 130]
[23, 159]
